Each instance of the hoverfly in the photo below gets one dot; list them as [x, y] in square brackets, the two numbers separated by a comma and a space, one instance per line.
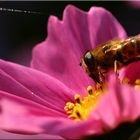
[114, 53]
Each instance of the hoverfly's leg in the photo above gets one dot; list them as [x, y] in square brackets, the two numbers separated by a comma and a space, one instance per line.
[116, 70]
[101, 78]
[116, 67]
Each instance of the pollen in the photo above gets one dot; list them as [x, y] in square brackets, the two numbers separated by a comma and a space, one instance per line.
[81, 108]
[125, 80]
[137, 84]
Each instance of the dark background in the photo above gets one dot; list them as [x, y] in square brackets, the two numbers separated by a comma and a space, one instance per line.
[19, 32]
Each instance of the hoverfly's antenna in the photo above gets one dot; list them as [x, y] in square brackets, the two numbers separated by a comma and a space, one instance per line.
[20, 11]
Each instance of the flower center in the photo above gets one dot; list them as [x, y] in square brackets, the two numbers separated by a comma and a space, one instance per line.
[136, 84]
[80, 110]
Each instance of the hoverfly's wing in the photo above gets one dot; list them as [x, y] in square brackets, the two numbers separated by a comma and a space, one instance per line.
[111, 42]
[111, 45]
[107, 46]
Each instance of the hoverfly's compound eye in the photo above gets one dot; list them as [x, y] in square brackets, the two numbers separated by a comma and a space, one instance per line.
[89, 59]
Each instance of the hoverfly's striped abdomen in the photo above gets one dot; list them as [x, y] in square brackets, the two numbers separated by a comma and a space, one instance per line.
[130, 50]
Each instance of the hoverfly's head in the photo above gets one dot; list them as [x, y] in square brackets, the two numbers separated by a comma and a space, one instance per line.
[90, 65]
[88, 62]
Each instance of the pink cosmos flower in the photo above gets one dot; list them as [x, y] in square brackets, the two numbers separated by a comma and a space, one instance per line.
[32, 100]
[133, 4]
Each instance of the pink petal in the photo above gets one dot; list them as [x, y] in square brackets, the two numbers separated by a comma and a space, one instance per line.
[59, 55]
[120, 103]
[7, 135]
[103, 26]
[13, 118]
[72, 130]
[133, 4]
[34, 85]
[20, 118]
[132, 72]
[34, 108]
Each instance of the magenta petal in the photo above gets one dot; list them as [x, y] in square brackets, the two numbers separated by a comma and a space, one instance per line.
[132, 72]
[18, 117]
[34, 108]
[22, 116]
[72, 130]
[103, 26]
[7, 136]
[59, 55]
[121, 103]
[34, 85]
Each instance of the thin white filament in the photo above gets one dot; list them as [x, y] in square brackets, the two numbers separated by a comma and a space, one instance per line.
[20, 11]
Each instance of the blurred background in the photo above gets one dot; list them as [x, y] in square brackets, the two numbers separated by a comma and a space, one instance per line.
[20, 32]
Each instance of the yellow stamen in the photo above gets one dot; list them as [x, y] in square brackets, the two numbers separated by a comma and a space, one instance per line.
[80, 110]
[137, 84]
[125, 80]
[90, 90]
[77, 98]
[98, 86]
